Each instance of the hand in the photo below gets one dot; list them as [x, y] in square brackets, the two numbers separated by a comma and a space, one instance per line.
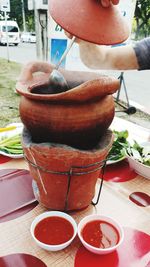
[77, 40]
[106, 3]
[70, 36]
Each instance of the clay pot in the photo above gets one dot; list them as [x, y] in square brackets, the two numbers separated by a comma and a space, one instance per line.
[78, 117]
[64, 178]
[88, 20]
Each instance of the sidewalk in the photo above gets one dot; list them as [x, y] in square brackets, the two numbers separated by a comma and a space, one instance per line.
[138, 88]
[138, 92]
[140, 118]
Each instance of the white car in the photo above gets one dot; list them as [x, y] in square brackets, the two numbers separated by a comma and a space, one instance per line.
[9, 32]
[28, 37]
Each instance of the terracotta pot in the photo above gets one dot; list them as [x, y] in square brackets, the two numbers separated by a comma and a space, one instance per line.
[88, 20]
[64, 178]
[78, 117]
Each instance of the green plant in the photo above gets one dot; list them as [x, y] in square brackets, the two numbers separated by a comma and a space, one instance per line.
[9, 104]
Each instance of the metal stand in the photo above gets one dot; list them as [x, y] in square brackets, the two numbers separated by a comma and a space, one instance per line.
[101, 184]
[127, 109]
[76, 171]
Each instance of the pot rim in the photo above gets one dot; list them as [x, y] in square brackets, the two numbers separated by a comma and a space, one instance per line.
[105, 142]
[86, 91]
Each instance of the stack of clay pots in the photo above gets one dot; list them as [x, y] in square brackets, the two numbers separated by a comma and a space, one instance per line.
[66, 137]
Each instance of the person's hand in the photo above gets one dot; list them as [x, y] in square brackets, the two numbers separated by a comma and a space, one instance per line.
[70, 36]
[106, 3]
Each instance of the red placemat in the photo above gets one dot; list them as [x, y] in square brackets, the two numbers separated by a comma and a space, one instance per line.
[134, 252]
[21, 260]
[119, 172]
[16, 194]
[4, 159]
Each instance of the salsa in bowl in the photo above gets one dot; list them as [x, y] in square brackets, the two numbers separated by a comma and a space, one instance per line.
[53, 230]
[100, 234]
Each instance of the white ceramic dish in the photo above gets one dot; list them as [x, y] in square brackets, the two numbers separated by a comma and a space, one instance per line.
[140, 168]
[52, 214]
[17, 130]
[13, 156]
[106, 219]
[115, 161]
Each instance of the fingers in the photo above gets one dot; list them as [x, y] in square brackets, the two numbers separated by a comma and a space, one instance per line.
[106, 3]
[70, 36]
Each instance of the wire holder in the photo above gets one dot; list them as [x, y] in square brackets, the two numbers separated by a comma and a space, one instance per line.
[76, 171]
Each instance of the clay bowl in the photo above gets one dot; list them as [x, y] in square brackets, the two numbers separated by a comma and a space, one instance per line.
[89, 21]
[62, 174]
[77, 117]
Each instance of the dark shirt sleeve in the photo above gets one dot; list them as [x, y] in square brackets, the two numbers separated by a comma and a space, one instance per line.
[142, 51]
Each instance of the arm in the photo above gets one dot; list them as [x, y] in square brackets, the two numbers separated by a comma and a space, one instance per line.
[104, 57]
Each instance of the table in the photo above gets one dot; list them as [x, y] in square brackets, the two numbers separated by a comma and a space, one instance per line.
[114, 201]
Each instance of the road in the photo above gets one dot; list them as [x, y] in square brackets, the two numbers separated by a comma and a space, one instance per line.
[137, 82]
[22, 53]
[138, 88]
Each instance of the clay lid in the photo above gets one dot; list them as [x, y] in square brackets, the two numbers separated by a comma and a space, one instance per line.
[88, 20]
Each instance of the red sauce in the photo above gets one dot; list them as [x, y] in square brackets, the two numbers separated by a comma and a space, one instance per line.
[100, 234]
[54, 230]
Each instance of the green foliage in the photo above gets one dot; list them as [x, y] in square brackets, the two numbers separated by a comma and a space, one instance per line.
[142, 18]
[11, 144]
[9, 104]
[139, 153]
[120, 142]
[16, 14]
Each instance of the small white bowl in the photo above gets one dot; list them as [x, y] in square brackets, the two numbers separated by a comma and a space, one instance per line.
[53, 214]
[139, 168]
[106, 219]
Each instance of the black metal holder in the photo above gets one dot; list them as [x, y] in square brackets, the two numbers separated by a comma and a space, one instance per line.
[127, 109]
[101, 185]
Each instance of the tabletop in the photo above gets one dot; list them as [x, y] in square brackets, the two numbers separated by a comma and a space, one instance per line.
[115, 201]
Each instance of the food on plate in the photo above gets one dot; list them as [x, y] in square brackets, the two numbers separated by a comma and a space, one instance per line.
[139, 152]
[120, 142]
[8, 128]
[11, 144]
